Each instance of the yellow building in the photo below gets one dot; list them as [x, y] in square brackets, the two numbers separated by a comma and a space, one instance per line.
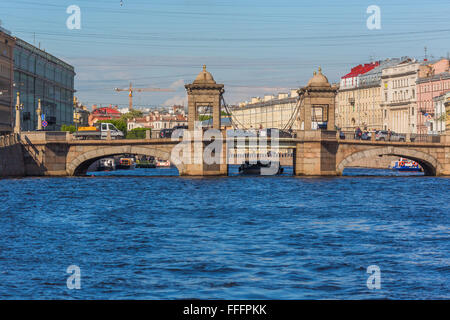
[447, 112]
[360, 99]
[267, 112]
[359, 107]
[80, 113]
[7, 43]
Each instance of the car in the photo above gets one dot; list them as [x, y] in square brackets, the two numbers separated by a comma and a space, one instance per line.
[178, 131]
[366, 136]
[165, 133]
[398, 137]
[271, 132]
[384, 135]
[240, 133]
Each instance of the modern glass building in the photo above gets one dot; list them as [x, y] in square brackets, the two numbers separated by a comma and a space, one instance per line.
[40, 75]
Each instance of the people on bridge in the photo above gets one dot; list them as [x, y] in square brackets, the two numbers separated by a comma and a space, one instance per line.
[358, 133]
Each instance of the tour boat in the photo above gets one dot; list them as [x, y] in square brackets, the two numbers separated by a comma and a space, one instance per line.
[163, 163]
[126, 163]
[406, 165]
[107, 164]
[248, 168]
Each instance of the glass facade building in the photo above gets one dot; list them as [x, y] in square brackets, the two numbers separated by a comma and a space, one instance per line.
[39, 75]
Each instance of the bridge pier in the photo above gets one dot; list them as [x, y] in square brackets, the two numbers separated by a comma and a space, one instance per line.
[316, 153]
[206, 158]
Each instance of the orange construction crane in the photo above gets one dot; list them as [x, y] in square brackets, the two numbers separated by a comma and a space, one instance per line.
[131, 90]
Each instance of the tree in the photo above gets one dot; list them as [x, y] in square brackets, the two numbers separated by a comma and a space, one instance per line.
[132, 114]
[70, 128]
[138, 133]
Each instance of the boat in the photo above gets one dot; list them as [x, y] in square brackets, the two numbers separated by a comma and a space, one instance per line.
[106, 164]
[145, 164]
[248, 168]
[163, 163]
[406, 165]
[126, 163]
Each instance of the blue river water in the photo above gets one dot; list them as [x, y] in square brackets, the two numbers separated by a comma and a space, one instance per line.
[148, 235]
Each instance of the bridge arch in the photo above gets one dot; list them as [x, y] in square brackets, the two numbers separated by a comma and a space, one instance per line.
[80, 164]
[430, 165]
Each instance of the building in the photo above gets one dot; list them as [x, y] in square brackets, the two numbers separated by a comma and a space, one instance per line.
[80, 114]
[399, 96]
[359, 97]
[157, 121]
[7, 43]
[433, 81]
[103, 113]
[447, 114]
[438, 122]
[267, 112]
[40, 75]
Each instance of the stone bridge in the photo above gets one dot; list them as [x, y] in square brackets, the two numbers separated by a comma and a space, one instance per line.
[316, 153]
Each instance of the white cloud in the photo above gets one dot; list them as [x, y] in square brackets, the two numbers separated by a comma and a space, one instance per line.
[177, 84]
[177, 100]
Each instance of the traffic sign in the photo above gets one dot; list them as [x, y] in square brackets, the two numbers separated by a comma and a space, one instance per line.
[44, 123]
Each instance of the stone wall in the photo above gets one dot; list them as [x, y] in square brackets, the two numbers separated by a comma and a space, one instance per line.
[376, 163]
[11, 157]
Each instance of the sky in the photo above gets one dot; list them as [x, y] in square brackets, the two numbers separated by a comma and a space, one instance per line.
[254, 47]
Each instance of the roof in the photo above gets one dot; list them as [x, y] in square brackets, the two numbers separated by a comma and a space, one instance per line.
[105, 110]
[204, 77]
[318, 80]
[361, 69]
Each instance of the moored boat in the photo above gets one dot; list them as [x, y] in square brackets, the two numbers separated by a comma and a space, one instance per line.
[406, 165]
[126, 163]
[107, 164]
[163, 163]
[260, 168]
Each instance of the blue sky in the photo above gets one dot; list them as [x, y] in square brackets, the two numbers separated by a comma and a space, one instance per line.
[253, 47]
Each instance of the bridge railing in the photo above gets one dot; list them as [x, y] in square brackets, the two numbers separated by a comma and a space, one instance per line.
[396, 137]
[9, 140]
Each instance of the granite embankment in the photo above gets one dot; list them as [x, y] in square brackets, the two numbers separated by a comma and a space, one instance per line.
[11, 157]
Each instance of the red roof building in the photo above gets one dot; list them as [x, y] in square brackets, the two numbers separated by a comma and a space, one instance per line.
[104, 113]
[351, 79]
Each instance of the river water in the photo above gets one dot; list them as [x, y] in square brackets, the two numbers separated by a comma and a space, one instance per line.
[152, 236]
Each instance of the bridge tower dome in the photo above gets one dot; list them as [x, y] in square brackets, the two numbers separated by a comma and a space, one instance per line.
[203, 94]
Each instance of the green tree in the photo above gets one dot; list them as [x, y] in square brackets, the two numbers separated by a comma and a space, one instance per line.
[204, 117]
[70, 128]
[132, 114]
[137, 133]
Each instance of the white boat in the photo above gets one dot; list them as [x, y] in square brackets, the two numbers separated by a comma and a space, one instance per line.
[106, 164]
[163, 163]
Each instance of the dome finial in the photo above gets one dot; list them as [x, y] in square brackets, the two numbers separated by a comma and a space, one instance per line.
[320, 69]
[314, 73]
[204, 67]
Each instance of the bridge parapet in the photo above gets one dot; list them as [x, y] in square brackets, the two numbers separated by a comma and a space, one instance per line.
[41, 137]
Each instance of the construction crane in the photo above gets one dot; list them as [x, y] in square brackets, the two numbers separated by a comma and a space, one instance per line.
[131, 90]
